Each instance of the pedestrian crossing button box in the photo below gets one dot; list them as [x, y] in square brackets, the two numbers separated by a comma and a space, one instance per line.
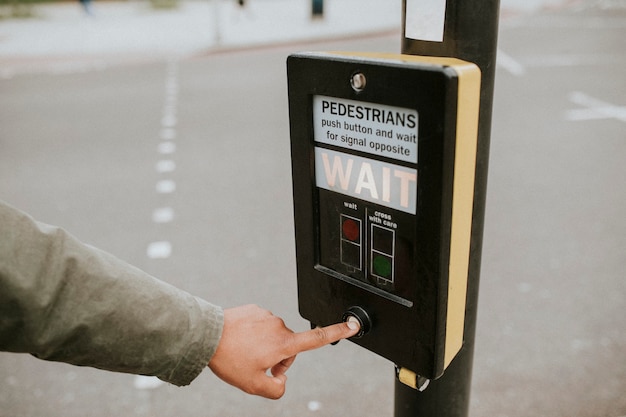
[383, 151]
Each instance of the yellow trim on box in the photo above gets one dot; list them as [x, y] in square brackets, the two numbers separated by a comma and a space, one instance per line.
[462, 205]
[433, 60]
[407, 377]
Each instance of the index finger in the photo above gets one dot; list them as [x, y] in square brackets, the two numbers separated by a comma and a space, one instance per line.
[322, 336]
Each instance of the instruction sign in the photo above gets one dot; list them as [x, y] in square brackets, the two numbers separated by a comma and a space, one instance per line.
[377, 129]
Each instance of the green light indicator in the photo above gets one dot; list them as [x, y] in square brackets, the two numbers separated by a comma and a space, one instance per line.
[382, 266]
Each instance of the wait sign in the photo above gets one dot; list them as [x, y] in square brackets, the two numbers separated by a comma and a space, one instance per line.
[371, 180]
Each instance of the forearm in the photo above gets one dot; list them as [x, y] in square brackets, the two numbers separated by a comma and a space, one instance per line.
[64, 301]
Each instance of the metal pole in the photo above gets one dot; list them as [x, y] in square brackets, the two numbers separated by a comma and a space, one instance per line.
[469, 32]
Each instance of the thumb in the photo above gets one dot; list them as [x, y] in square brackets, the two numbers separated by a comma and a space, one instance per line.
[273, 387]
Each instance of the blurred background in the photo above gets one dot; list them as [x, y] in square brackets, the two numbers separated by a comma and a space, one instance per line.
[158, 131]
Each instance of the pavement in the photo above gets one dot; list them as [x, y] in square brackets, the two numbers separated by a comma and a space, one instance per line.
[63, 36]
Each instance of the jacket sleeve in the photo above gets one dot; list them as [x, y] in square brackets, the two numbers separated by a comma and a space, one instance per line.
[62, 300]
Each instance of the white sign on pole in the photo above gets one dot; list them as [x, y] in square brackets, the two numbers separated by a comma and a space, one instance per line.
[425, 20]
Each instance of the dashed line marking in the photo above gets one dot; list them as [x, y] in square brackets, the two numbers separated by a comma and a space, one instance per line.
[168, 133]
[163, 215]
[165, 186]
[161, 249]
[314, 405]
[169, 120]
[165, 165]
[147, 382]
[166, 148]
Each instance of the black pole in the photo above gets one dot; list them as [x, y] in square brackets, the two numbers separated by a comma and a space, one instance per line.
[469, 33]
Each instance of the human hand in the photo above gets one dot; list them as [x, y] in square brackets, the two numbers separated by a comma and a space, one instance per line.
[255, 341]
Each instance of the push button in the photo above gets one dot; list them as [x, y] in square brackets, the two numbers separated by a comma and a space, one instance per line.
[359, 314]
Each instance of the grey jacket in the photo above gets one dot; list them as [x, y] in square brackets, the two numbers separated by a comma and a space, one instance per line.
[62, 300]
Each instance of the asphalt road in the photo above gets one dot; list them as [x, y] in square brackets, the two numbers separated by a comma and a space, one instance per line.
[182, 168]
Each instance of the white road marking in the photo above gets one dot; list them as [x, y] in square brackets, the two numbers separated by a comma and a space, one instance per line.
[168, 133]
[594, 109]
[163, 215]
[165, 186]
[161, 249]
[314, 405]
[147, 382]
[166, 148]
[171, 86]
[165, 165]
[573, 60]
[515, 66]
[509, 64]
[169, 120]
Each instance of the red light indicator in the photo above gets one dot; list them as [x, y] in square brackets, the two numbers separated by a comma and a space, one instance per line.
[351, 230]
